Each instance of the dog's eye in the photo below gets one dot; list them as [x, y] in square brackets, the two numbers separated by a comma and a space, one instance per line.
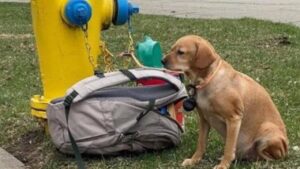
[180, 52]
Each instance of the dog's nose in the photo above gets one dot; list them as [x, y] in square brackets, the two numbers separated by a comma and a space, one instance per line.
[163, 61]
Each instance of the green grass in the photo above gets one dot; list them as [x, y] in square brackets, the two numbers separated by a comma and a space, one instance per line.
[268, 52]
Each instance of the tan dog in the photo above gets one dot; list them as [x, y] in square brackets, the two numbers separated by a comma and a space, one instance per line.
[231, 102]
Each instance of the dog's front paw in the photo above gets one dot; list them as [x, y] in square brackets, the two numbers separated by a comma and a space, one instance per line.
[188, 162]
[220, 166]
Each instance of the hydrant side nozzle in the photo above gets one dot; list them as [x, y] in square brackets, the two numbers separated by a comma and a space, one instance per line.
[123, 11]
[133, 9]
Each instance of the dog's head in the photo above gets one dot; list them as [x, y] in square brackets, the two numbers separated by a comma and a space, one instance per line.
[190, 53]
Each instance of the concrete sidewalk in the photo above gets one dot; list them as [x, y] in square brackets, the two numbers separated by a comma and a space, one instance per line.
[286, 11]
[7, 161]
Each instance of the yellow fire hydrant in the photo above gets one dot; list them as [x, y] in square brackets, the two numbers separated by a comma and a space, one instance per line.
[61, 28]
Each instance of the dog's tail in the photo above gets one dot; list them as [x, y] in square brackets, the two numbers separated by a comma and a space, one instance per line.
[272, 145]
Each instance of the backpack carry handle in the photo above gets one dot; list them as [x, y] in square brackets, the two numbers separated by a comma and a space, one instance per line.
[87, 86]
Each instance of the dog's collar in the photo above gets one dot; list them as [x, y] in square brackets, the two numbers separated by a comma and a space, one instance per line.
[209, 77]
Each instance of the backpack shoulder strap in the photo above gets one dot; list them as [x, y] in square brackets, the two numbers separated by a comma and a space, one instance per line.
[91, 84]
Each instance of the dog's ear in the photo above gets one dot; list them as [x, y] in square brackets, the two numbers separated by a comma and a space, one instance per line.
[205, 55]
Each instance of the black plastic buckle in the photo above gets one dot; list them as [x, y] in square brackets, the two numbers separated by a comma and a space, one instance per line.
[69, 99]
[99, 74]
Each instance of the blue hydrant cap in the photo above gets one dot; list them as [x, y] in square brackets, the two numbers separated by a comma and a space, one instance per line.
[123, 11]
[78, 12]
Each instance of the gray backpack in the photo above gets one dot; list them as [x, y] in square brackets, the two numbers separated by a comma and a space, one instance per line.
[98, 116]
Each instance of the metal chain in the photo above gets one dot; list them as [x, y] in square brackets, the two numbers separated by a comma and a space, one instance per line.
[88, 48]
[107, 58]
[131, 43]
[130, 48]
[107, 55]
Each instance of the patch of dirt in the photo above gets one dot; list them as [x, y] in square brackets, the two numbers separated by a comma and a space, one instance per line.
[283, 40]
[276, 41]
[15, 36]
[28, 149]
